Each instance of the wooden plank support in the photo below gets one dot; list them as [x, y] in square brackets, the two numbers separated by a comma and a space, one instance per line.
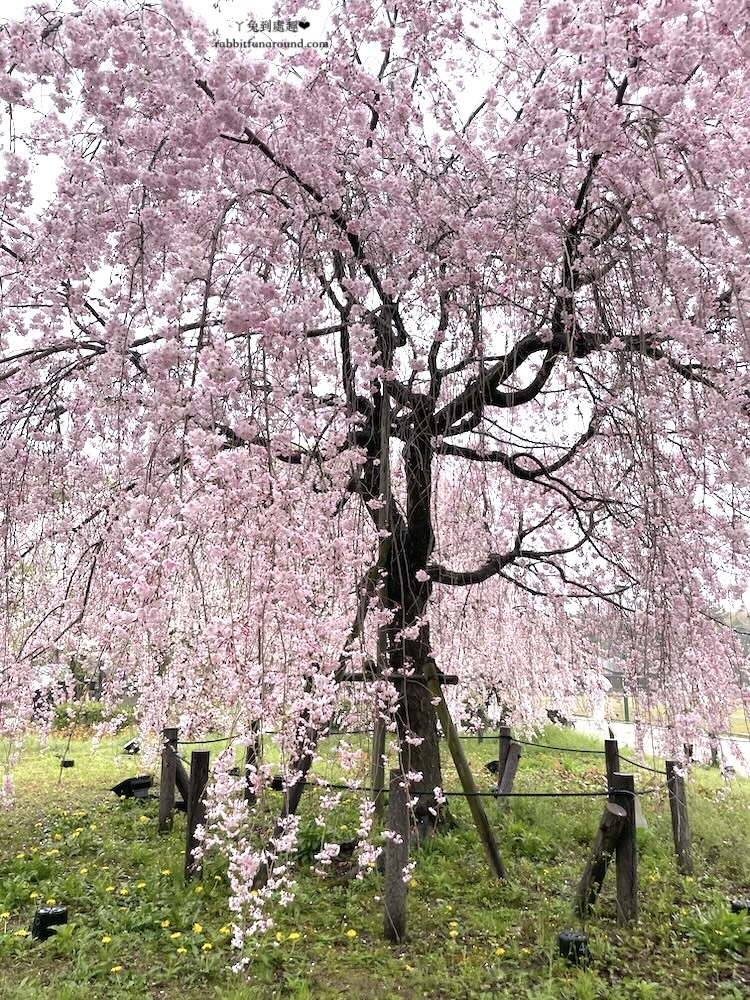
[626, 855]
[464, 773]
[167, 780]
[253, 754]
[680, 824]
[396, 678]
[196, 810]
[611, 759]
[610, 830]
[396, 859]
[503, 747]
[505, 786]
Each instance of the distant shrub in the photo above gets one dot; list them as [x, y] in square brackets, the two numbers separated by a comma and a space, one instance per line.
[87, 714]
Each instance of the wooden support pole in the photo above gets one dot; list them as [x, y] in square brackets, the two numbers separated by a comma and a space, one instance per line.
[253, 754]
[503, 747]
[396, 859]
[611, 759]
[464, 773]
[167, 780]
[377, 767]
[605, 842]
[509, 773]
[196, 809]
[626, 855]
[680, 824]
[292, 795]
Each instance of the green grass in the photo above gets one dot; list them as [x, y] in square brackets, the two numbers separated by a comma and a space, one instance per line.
[469, 938]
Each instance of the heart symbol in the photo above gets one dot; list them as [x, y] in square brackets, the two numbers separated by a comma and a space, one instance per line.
[304, 24]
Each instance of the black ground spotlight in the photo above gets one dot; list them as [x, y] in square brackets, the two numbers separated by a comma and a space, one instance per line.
[132, 747]
[47, 919]
[574, 946]
[134, 788]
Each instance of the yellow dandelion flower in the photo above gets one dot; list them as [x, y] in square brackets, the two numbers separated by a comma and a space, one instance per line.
[4, 916]
[92, 826]
[177, 934]
[166, 871]
[116, 969]
[225, 930]
[181, 951]
[53, 851]
[279, 936]
[50, 902]
[294, 935]
[452, 934]
[123, 892]
[22, 933]
[351, 933]
[197, 929]
[83, 871]
[20, 855]
[144, 819]
[165, 923]
[217, 878]
[199, 888]
[207, 946]
[110, 888]
[500, 951]
[34, 895]
[140, 885]
[106, 939]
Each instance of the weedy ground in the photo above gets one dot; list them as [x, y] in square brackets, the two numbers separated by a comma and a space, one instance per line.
[137, 930]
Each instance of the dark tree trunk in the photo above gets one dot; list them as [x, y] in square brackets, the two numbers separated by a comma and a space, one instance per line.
[411, 547]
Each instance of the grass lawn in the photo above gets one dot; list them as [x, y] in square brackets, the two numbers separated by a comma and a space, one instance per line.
[137, 930]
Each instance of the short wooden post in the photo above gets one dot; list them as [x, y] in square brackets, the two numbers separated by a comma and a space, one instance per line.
[503, 747]
[396, 859]
[605, 842]
[505, 786]
[377, 767]
[611, 759]
[253, 753]
[167, 780]
[680, 824]
[196, 809]
[626, 855]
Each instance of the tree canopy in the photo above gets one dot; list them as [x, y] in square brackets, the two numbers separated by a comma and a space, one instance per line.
[431, 344]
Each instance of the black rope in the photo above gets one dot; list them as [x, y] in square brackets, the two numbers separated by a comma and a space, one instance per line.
[505, 795]
[546, 746]
[219, 739]
[643, 767]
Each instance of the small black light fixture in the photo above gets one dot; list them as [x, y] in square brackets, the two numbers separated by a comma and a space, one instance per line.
[134, 788]
[66, 762]
[46, 920]
[740, 906]
[574, 946]
[132, 747]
